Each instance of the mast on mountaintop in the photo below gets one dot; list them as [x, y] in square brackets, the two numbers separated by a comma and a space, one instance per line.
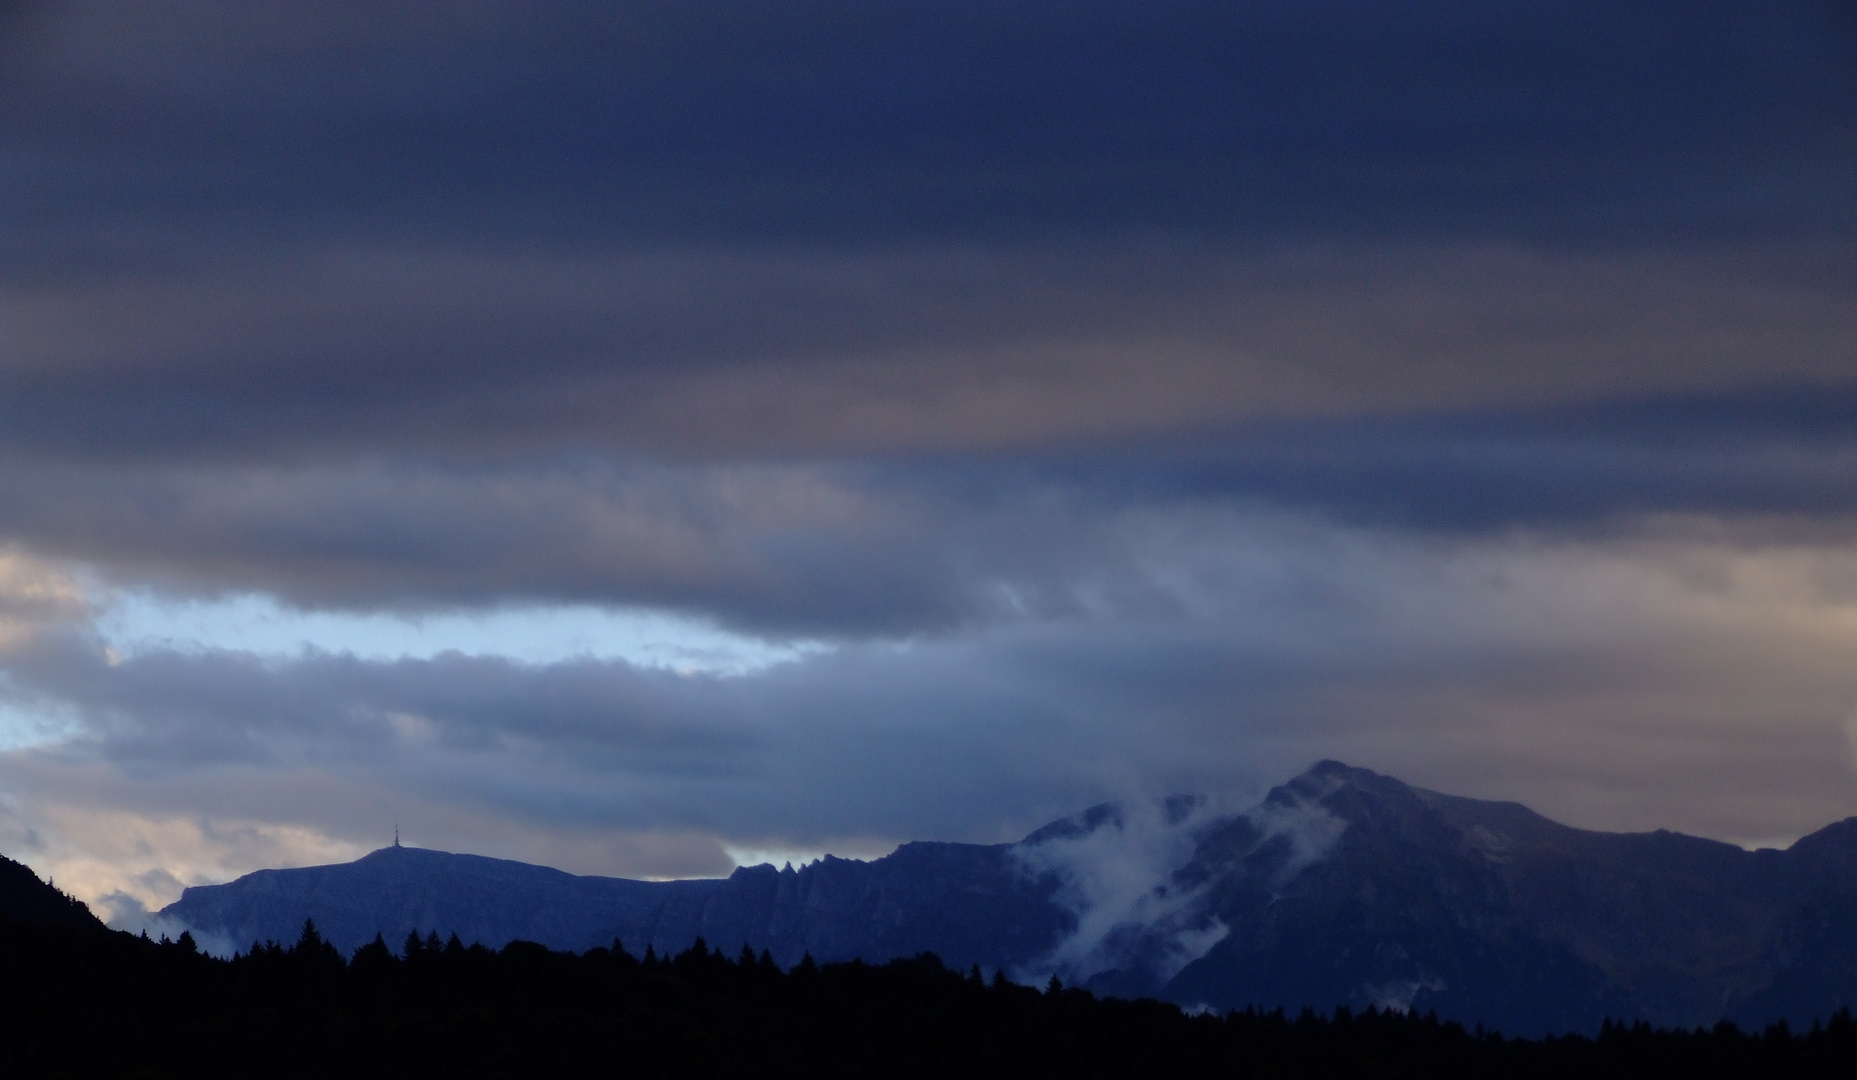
[396, 834]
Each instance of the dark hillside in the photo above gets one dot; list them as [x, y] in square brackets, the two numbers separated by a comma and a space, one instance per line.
[26, 899]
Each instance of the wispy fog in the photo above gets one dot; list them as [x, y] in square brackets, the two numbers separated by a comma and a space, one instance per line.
[1120, 874]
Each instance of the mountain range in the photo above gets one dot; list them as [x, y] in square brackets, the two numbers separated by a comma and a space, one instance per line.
[1342, 887]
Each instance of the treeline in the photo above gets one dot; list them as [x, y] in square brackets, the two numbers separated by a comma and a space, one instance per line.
[78, 1002]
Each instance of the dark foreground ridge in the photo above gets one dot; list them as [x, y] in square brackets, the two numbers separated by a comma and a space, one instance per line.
[81, 1001]
[1343, 887]
[24, 899]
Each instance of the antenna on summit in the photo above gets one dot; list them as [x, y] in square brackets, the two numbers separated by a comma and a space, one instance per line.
[396, 834]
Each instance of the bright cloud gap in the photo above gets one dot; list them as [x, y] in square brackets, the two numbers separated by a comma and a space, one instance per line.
[135, 623]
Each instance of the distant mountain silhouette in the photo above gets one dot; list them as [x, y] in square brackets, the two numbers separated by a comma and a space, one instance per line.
[966, 902]
[25, 900]
[400, 889]
[1343, 887]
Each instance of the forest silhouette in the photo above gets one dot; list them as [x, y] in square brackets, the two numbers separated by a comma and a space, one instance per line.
[80, 1000]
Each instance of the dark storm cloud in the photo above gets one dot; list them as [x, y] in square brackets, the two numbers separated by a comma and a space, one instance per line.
[1132, 397]
[720, 353]
[1783, 455]
[901, 545]
[743, 228]
[856, 121]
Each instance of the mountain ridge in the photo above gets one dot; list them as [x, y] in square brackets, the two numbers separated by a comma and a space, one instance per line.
[1341, 887]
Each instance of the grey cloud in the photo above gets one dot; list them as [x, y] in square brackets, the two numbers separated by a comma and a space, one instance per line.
[1673, 683]
[1030, 354]
[717, 352]
[848, 549]
[839, 119]
[790, 549]
[844, 551]
[821, 229]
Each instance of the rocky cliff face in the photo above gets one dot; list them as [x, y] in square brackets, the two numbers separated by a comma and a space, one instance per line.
[968, 903]
[1342, 887]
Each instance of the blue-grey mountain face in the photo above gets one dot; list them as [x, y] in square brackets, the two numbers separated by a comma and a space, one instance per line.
[1342, 887]
[969, 903]
[397, 890]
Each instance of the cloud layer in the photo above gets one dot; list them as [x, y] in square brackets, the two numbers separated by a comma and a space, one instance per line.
[1088, 400]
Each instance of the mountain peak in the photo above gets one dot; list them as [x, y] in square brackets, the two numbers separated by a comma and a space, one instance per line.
[1331, 767]
[1332, 774]
[1321, 781]
[1079, 824]
[398, 851]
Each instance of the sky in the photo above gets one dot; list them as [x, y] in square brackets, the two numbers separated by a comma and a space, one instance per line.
[647, 438]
